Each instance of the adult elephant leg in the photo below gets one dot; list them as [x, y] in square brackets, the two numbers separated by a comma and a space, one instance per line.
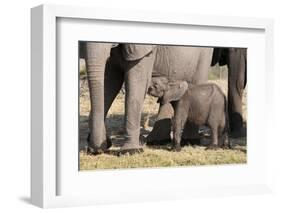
[160, 134]
[137, 79]
[114, 78]
[113, 81]
[96, 57]
[236, 84]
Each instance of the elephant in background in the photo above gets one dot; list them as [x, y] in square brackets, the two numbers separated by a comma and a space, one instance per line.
[110, 65]
[236, 61]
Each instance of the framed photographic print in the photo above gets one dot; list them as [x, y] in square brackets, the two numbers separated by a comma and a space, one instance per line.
[131, 106]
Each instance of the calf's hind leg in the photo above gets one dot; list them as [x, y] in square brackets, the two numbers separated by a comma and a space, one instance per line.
[215, 141]
[224, 140]
[223, 134]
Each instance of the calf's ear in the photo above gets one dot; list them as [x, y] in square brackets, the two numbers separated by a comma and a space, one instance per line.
[175, 92]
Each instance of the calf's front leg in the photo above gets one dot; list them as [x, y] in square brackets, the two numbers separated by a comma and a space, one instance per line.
[180, 119]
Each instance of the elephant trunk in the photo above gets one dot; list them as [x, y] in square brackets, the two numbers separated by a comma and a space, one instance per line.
[96, 58]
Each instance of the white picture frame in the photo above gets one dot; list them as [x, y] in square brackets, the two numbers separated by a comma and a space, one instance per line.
[48, 158]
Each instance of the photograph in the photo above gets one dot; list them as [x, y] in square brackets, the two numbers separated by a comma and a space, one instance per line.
[156, 105]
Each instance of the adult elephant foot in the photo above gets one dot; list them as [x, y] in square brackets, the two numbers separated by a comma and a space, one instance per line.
[239, 133]
[129, 148]
[160, 134]
[94, 150]
[237, 128]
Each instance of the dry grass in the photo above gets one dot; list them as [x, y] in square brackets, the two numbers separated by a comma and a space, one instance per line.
[161, 157]
[156, 156]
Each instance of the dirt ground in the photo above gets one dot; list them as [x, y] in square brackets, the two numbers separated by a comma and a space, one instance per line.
[152, 156]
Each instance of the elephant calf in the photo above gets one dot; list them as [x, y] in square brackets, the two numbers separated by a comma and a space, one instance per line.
[199, 104]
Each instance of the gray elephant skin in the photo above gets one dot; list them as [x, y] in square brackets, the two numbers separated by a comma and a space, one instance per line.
[109, 66]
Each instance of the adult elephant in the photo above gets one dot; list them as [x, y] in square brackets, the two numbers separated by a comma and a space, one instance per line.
[236, 61]
[109, 65]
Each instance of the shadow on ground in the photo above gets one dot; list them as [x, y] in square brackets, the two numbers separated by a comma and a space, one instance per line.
[113, 128]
